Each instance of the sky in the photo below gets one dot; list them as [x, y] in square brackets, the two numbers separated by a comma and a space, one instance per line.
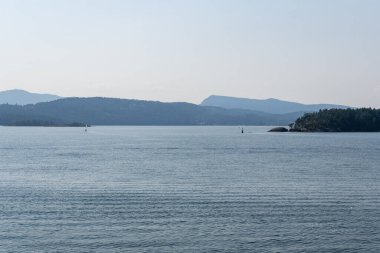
[321, 51]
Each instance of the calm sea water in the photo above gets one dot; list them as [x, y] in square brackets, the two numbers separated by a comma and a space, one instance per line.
[188, 189]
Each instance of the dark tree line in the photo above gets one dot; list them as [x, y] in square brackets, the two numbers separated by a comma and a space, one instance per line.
[339, 120]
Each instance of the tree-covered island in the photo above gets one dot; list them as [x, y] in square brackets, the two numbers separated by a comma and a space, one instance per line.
[339, 120]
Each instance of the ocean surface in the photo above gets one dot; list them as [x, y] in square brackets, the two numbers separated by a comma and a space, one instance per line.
[188, 189]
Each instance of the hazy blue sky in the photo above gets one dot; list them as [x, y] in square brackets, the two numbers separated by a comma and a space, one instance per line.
[306, 51]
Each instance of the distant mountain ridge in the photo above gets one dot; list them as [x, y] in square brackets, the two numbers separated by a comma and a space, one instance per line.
[22, 97]
[274, 106]
[113, 111]
[18, 107]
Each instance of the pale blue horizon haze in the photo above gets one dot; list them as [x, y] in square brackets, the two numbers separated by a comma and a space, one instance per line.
[304, 51]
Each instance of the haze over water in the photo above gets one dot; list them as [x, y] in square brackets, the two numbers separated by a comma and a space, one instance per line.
[188, 189]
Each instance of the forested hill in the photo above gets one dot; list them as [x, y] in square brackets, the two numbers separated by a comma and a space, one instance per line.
[339, 120]
[111, 111]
